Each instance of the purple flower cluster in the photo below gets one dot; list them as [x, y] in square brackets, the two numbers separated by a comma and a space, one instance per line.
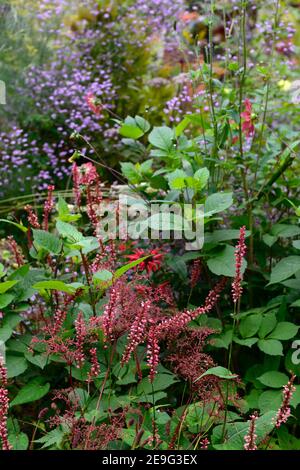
[93, 57]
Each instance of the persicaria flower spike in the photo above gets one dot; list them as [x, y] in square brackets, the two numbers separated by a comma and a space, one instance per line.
[80, 337]
[240, 252]
[285, 409]
[95, 368]
[137, 331]
[247, 119]
[250, 438]
[48, 206]
[4, 406]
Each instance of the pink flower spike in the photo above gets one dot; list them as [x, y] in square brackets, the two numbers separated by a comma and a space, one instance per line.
[240, 252]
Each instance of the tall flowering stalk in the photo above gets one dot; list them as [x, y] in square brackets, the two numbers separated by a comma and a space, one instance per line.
[250, 438]
[4, 406]
[137, 331]
[285, 410]
[176, 324]
[240, 252]
[48, 206]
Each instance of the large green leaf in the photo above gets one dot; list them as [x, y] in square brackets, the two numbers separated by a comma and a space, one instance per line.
[16, 365]
[217, 202]
[223, 262]
[47, 241]
[220, 372]
[273, 379]
[249, 326]
[273, 347]
[68, 231]
[54, 285]
[5, 286]
[286, 268]
[32, 391]
[236, 432]
[162, 138]
[284, 331]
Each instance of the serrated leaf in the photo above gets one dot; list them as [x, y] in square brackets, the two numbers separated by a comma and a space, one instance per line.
[162, 138]
[47, 241]
[68, 231]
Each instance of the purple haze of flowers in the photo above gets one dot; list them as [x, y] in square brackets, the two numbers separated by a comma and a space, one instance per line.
[87, 60]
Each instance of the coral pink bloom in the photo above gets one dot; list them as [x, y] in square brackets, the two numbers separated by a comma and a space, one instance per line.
[87, 174]
[151, 264]
[247, 119]
[91, 101]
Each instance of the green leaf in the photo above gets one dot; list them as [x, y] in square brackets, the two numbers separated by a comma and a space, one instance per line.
[269, 240]
[222, 235]
[177, 179]
[285, 230]
[284, 330]
[64, 212]
[161, 382]
[134, 128]
[273, 347]
[220, 372]
[249, 326]
[202, 176]
[6, 299]
[270, 400]
[15, 224]
[69, 232]
[18, 440]
[47, 241]
[119, 272]
[296, 303]
[130, 172]
[39, 360]
[5, 286]
[130, 131]
[268, 324]
[102, 276]
[5, 332]
[52, 438]
[33, 391]
[273, 379]
[162, 138]
[217, 202]
[237, 431]
[182, 126]
[296, 244]
[223, 262]
[16, 365]
[286, 268]
[245, 342]
[54, 285]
